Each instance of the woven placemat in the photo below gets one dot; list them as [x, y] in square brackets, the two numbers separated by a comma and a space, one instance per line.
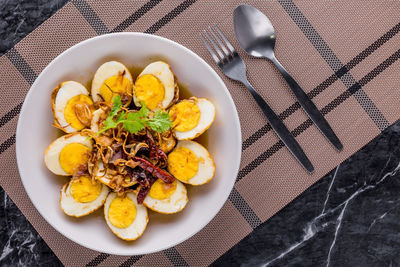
[343, 53]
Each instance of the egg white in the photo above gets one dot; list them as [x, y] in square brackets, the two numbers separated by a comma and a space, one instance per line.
[94, 124]
[66, 91]
[105, 71]
[207, 116]
[71, 207]
[163, 72]
[137, 227]
[206, 169]
[175, 203]
[52, 153]
[101, 175]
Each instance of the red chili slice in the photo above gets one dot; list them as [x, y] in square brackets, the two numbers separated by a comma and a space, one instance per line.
[145, 185]
[154, 170]
[142, 194]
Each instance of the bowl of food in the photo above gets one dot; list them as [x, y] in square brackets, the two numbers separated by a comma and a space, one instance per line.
[128, 143]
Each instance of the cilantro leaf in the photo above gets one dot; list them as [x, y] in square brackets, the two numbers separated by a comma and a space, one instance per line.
[109, 123]
[117, 104]
[133, 122]
[121, 117]
[144, 111]
[160, 122]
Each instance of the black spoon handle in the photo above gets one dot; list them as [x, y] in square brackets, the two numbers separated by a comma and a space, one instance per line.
[309, 107]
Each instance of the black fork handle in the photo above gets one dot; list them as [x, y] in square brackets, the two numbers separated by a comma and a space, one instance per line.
[281, 130]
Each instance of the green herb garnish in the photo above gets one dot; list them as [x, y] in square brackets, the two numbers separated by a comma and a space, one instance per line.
[160, 123]
[134, 122]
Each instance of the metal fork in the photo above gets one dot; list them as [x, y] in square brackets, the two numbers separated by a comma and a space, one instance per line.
[232, 65]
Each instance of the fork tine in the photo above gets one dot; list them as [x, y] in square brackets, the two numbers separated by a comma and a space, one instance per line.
[228, 44]
[214, 56]
[219, 41]
[216, 48]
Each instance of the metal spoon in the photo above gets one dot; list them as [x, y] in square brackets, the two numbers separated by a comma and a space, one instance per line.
[256, 36]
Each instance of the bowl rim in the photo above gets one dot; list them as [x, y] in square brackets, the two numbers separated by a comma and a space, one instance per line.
[19, 135]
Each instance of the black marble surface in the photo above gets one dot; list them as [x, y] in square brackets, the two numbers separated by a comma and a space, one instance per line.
[349, 218]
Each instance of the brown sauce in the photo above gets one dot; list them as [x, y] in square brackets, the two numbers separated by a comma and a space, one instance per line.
[135, 71]
[88, 86]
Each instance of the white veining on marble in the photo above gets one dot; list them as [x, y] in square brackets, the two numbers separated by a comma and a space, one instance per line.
[317, 224]
[383, 215]
[19, 248]
[329, 189]
[377, 219]
[311, 227]
[310, 233]
[339, 223]
[7, 249]
[355, 194]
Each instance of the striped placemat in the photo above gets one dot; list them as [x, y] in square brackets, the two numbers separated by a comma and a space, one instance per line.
[343, 53]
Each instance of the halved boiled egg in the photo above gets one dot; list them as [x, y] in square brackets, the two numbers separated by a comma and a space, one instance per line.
[125, 217]
[166, 198]
[191, 117]
[68, 153]
[82, 196]
[72, 107]
[111, 79]
[155, 86]
[191, 163]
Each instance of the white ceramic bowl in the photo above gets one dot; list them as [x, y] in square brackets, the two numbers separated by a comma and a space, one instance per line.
[34, 134]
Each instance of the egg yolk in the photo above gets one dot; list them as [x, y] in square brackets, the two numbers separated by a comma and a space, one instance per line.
[74, 111]
[115, 85]
[122, 212]
[185, 116]
[72, 156]
[84, 189]
[161, 190]
[150, 90]
[183, 164]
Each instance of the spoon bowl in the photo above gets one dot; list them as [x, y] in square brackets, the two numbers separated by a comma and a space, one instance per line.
[254, 31]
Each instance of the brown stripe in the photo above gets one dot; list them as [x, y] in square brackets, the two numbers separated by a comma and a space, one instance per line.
[175, 258]
[129, 262]
[241, 205]
[91, 17]
[326, 83]
[136, 15]
[6, 144]
[99, 259]
[11, 114]
[328, 108]
[381, 67]
[170, 16]
[21, 65]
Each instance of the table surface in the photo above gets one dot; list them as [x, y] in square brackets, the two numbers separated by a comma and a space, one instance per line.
[348, 218]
